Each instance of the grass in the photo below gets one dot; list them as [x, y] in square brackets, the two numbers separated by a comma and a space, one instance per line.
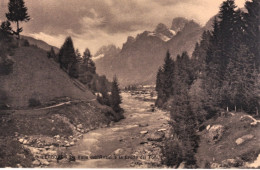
[35, 76]
[226, 148]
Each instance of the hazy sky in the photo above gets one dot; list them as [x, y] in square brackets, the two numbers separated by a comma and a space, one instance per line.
[93, 23]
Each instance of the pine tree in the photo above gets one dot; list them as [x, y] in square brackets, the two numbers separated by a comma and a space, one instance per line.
[51, 54]
[68, 59]
[104, 90]
[17, 13]
[168, 68]
[212, 79]
[6, 28]
[88, 64]
[158, 88]
[252, 22]
[115, 98]
[184, 126]
[226, 40]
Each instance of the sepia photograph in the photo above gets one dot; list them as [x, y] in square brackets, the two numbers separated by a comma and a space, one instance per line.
[172, 84]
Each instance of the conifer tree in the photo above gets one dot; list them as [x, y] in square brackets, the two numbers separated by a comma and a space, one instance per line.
[67, 58]
[6, 28]
[51, 54]
[252, 23]
[168, 68]
[159, 88]
[115, 98]
[17, 13]
[184, 126]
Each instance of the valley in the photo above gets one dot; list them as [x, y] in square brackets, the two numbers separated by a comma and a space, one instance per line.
[132, 142]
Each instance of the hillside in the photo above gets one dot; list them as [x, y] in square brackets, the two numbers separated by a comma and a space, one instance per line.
[229, 141]
[39, 43]
[35, 76]
[39, 101]
[141, 56]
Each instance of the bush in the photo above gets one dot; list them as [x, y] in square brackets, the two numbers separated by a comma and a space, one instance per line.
[6, 66]
[3, 99]
[26, 43]
[172, 153]
[34, 102]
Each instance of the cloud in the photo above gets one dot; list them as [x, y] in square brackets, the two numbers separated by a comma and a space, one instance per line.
[93, 23]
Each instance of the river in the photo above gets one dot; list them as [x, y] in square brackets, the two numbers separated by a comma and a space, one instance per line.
[116, 146]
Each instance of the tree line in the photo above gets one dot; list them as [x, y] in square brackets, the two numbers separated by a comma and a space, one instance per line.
[82, 68]
[221, 75]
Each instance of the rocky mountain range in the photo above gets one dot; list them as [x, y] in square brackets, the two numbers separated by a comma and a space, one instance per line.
[140, 57]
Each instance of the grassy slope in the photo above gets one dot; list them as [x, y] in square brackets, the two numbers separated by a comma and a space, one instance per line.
[36, 76]
[39, 43]
[226, 148]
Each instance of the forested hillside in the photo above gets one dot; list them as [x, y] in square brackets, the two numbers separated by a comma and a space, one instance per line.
[221, 76]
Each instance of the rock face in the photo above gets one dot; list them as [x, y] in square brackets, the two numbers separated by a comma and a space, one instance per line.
[215, 133]
[244, 138]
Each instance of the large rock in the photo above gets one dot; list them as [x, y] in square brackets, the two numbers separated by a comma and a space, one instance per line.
[36, 163]
[72, 143]
[25, 142]
[161, 130]
[244, 138]
[229, 163]
[44, 162]
[215, 133]
[79, 126]
[144, 132]
[215, 165]
[182, 165]
[118, 151]
[21, 140]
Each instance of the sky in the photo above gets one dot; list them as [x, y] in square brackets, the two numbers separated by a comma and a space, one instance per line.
[94, 23]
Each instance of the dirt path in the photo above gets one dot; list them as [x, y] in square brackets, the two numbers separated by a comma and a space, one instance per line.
[117, 144]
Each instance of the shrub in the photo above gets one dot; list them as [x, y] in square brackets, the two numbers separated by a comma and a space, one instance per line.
[34, 102]
[6, 66]
[26, 43]
[172, 152]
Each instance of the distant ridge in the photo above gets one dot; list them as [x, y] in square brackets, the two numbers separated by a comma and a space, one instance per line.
[39, 43]
[140, 57]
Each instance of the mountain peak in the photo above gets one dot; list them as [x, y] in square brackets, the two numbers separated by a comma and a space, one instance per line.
[178, 23]
[162, 29]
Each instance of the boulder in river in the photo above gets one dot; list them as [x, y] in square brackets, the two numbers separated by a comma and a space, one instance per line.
[144, 132]
[72, 143]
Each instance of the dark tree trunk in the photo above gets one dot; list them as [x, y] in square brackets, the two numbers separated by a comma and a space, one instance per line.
[17, 32]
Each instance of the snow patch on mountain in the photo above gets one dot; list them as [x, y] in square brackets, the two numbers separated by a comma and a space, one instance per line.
[98, 57]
